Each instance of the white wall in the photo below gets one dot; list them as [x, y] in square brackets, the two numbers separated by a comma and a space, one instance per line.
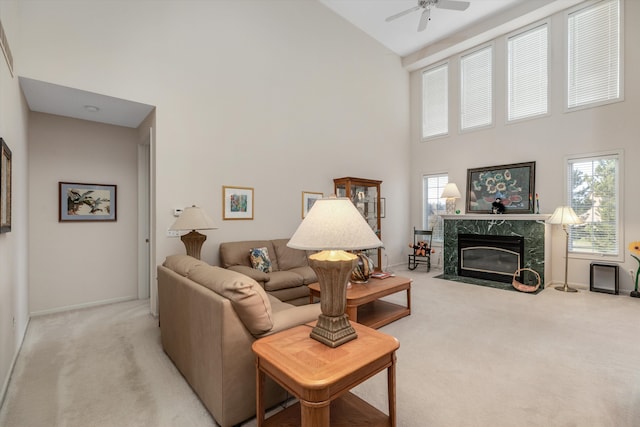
[13, 245]
[545, 140]
[75, 264]
[281, 96]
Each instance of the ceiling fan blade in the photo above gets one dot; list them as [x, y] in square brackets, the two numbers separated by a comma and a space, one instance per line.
[398, 15]
[452, 4]
[424, 19]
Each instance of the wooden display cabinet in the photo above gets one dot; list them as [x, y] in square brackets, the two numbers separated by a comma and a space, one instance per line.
[365, 195]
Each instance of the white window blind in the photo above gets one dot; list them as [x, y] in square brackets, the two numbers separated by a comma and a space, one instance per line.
[594, 54]
[434, 206]
[435, 101]
[476, 87]
[527, 73]
[594, 195]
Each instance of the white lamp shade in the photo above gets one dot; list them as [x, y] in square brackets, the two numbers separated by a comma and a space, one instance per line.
[193, 218]
[334, 224]
[564, 215]
[450, 191]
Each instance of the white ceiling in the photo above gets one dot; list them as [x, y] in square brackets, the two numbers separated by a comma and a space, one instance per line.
[50, 98]
[401, 35]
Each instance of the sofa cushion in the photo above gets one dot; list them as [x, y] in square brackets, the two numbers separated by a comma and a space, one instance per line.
[247, 297]
[237, 253]
[282, 279]
[308, 275]
[260, 259]
[182, 264]
[289, 258]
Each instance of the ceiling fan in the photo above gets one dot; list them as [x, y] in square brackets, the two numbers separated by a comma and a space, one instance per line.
[426, 6]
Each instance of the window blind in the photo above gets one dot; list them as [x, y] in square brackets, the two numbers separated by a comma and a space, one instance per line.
[434, 206]
[476, 87]
[593, 185]
[527, 70]
[435, 101]
[594, 54]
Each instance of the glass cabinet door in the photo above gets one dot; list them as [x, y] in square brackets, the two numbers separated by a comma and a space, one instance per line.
[365, 195]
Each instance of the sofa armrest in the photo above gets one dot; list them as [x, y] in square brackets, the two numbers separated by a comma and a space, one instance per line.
[257, 275]
[294, 316]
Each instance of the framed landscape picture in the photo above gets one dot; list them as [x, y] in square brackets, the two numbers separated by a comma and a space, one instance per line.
[308, 199]
[86, 202]
[237, 202]
[513, 184]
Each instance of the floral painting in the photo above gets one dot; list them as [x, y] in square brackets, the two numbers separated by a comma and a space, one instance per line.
[86, 202]
[237, 202]
[512, 185]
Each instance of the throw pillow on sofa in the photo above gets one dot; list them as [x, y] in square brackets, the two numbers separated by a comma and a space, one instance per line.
[260, 259]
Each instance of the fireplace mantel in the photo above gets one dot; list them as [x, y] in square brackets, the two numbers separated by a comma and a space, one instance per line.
[500, 217]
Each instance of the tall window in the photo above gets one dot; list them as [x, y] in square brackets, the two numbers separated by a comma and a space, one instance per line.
[594, 54]
[594, 184]
[434, 206]
[435, 101]
[527, 71]
[476, 89]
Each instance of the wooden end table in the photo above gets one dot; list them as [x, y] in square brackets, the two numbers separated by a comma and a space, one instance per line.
[321, 377]
[363, 300]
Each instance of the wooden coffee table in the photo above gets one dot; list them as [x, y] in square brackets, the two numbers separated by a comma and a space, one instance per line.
[321, 377]
[363, 300]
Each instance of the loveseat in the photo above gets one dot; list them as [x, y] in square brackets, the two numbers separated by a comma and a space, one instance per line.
[209, 317]
[290, 271]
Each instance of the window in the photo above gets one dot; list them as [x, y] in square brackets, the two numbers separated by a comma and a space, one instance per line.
[434, 206]
[435, 101]
[527, 89]
[476, 87]
[593, 184]
[594, 54]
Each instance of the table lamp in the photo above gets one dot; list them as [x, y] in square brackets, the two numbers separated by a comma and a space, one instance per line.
[193, 218]
[333, 226]
[451, 193]
[565, 216]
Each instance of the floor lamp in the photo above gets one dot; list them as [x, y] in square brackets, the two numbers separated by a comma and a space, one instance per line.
[332, 226]
[565, 216]
[193, 218]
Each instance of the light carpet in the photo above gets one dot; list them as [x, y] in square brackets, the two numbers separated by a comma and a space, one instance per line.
[469, 356]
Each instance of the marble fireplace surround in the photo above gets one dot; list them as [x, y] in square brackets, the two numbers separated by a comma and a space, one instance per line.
[534, 229]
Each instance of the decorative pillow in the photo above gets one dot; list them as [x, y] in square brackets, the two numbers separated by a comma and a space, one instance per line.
[260, 259]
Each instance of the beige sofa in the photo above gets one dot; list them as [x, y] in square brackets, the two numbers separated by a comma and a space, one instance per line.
[290, 273]
[209, 317]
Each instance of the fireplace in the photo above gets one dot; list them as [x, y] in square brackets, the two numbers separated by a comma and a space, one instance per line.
[490, 257]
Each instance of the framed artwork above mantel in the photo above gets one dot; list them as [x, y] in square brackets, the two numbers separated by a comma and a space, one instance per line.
[513, 185]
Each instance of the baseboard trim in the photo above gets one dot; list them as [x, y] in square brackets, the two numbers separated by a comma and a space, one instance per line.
[83, 305]
[7, 380]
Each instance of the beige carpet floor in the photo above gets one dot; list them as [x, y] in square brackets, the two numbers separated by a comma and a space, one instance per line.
[469, 356]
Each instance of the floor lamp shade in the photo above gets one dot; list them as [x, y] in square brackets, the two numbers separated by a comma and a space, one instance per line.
[565, 216]
[451, 193]
[193, 218]
[332, 226]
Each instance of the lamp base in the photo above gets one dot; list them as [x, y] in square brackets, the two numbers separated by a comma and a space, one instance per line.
[333, 330]
[193, 243]
[451, 206]
[333, 269]
[565, 288]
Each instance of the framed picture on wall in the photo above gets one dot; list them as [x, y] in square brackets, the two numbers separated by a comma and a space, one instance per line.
[86, 202]
[308, 199]
[237, 202]
[5, 188]
[513, 184]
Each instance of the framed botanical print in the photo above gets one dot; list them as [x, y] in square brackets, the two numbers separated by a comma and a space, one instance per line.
[86, 202]
[237, 202]
[513, 185]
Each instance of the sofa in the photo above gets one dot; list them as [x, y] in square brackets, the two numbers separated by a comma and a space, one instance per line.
[290, 271]
[209, 318]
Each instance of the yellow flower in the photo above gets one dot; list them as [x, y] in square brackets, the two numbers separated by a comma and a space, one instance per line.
[635, 247]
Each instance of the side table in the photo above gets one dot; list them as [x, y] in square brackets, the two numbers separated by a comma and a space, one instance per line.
[321, 377]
